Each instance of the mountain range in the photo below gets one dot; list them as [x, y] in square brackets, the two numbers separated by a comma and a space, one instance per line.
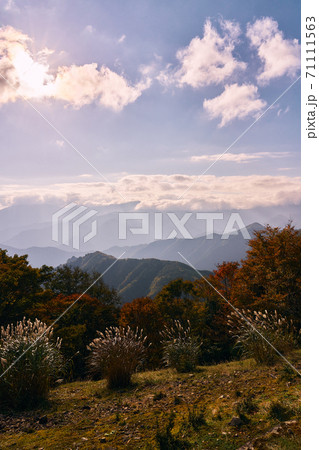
[25, 226]
[134, 277]
[39, 256]
[202, 253]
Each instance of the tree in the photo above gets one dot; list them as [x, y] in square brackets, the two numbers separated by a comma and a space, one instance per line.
[76, 325]
[178, 301]
[270, 276]
[67, 281]
[20, 286]
[224, 277]
[217, 343]
[143, 314]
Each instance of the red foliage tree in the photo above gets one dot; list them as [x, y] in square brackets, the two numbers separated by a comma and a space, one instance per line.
[144, 314]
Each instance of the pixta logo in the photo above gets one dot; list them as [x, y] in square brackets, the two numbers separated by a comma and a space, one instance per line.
[67, 222]
[179, 224]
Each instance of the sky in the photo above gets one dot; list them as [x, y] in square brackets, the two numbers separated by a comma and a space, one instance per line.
[105, 102]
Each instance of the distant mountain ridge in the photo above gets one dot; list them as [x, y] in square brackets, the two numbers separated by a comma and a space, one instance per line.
[203, 253]
[24, 226]
[135, 277]
[39, 256]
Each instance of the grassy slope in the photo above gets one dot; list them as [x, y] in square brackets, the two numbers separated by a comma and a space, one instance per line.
[82, 413]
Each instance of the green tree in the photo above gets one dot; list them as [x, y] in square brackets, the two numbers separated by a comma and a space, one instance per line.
[67, 281]
[20, 286]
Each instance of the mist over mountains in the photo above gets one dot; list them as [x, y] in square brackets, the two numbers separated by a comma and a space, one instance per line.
[27, 229]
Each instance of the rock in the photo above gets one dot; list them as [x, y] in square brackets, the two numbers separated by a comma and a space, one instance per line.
[103, 440]
[235, 422]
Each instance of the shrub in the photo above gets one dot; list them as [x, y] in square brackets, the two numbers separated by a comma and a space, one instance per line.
[288, 374]
[246, 406]
[166, 440]
[276, 329]
[158, 396]
[36, 360]
[280, 411]
[181, 349]
[117, 354]
[196, 417]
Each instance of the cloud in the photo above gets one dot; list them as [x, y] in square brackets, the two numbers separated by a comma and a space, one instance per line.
[10, 6]
[122, 39]
[207, 60]
[59, 143]
[279, 56]
[29, 76]
[89, 29]
[163, 191]
[24, 75]
[284, 169]
[282, 112]
[81, 85]
[236, 102]
[240, 158]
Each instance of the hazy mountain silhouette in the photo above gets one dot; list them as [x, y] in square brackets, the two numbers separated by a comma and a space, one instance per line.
[201, 252]
[134, 277]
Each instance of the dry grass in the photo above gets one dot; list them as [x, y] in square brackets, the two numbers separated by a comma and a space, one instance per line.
[87, 415]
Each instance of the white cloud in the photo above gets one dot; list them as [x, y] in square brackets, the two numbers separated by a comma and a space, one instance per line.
[282, 112]
[284, 169]
[81, 85]
[122, 39]
[24, 75]
[163, 191]
[89, 29]
[10, 6]
[207, 60]
[279, 56]
[59, 143]
[239, 158]
[235, 102]
[29, 76]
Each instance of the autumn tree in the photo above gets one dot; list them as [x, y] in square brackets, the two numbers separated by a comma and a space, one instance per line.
[224, 277]
[217, 343]
[77, 320]
[178, 301]
[269, 277]
[143, 314]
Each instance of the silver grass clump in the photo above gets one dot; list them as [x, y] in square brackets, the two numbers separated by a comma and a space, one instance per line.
[36, 360]
[117, 354]
[180, 349]
[275, 328]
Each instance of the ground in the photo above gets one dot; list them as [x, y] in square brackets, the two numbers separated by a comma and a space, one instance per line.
[200, 406]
